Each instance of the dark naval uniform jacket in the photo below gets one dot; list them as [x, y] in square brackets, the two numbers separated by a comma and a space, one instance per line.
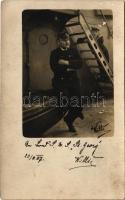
[65, 76]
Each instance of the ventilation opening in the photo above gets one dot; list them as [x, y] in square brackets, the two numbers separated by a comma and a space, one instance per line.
[100, 55]
[104, 63]
[95, 45]
[90, 37]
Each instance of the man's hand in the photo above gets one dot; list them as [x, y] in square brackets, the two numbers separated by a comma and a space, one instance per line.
[63, 62]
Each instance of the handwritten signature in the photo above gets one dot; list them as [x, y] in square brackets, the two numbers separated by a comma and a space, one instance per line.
[99, 126]
[86, 160]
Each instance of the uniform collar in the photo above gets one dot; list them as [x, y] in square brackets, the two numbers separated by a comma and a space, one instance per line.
[63, 49]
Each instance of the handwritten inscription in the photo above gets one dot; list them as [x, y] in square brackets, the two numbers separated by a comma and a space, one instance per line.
[37, 158]
[85, 154]
[70, 145]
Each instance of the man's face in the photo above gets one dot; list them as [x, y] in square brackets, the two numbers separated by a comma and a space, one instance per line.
[64, 43]
[96, 34]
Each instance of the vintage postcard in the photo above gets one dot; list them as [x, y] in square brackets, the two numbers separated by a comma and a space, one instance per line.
[62, 89]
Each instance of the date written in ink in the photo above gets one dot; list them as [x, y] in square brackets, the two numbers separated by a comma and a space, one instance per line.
[37, 158]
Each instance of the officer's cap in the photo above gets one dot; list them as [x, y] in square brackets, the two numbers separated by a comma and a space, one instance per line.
[63, 36]
[100, 37]
[94, 28]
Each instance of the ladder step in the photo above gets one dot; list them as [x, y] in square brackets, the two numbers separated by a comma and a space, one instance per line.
[86, 50]
[72, 24]
[84, 47]
[92, 63]
[73, 34]
[87, 54]
[82, 40]
[90, 58]
[105, 85]
[93, 66]
[95, 70]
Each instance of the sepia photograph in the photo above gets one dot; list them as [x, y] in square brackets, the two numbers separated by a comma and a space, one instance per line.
[67, 73]
[62, 105]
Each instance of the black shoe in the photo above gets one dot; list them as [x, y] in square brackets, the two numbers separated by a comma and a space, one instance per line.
[70, 126]
[81, 116]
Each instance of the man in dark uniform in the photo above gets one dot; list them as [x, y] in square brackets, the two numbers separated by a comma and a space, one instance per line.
[100, 40]
[64, 63]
